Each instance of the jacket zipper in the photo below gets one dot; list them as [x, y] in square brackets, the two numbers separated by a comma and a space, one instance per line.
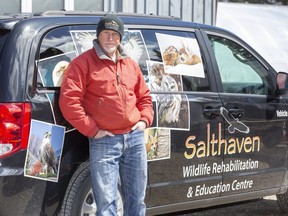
[123, 97]
[118, 77]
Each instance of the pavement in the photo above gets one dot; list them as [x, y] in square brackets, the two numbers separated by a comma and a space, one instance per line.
[267, 206]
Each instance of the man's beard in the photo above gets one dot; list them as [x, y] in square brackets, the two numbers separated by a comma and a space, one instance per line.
[109, 49]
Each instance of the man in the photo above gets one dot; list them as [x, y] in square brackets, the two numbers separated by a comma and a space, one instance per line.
[104, 96]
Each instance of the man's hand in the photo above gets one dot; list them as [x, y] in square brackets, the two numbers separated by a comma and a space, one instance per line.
[141, 125]
[102, 133]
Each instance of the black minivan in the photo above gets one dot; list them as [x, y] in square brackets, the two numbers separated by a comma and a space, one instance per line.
[219, 133]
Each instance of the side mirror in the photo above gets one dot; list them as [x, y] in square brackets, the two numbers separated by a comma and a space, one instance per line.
[282, 82]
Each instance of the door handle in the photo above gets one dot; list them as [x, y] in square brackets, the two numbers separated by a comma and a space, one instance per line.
[236, 113]
[211, 112]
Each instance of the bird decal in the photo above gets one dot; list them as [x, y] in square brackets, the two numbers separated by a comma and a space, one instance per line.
[234, 123]
[134, 47]
[169, 108]
[169, 104]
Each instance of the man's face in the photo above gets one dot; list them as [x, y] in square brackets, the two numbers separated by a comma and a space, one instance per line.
[109, 40]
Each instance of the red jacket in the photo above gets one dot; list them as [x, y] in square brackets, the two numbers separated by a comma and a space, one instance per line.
[97, 93]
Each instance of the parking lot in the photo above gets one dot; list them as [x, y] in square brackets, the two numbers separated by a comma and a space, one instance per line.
[262, 207]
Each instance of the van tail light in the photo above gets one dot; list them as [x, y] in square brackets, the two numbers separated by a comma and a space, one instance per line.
[15, 119]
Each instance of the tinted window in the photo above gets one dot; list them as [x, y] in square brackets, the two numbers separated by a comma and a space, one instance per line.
[240, 71]
[169, 60]
[59, 47]
[3, 36]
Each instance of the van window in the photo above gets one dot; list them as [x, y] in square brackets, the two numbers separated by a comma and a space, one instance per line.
[3, 36]
[240, 71]
[169, 60]
[58, 48]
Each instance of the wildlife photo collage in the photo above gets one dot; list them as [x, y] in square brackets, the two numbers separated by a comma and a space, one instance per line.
[180, 56]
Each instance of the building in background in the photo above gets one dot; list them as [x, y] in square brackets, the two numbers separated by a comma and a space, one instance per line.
[201, 11]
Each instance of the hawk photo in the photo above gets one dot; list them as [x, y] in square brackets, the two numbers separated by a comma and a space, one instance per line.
[47, 155]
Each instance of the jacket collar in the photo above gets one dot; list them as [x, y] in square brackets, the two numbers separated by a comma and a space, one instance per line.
[121, 51]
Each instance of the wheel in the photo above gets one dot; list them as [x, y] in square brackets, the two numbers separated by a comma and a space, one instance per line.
[282, 200]
[79, 199]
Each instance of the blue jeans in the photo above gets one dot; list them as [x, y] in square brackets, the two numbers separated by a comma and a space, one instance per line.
[123, 155]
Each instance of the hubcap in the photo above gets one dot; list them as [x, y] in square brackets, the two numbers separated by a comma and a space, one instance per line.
[89, 205]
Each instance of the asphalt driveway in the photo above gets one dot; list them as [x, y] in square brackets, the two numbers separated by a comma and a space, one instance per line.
[267, 206]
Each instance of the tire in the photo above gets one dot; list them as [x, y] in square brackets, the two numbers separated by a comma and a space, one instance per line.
[282, 200]
[79, 199]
